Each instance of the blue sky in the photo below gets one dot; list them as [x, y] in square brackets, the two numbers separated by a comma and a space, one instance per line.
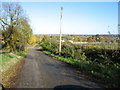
[78, 17]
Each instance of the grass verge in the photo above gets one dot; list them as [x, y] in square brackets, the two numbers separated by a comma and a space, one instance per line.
[11, 63]
[9, 59]
[107, 76]
[11, 74]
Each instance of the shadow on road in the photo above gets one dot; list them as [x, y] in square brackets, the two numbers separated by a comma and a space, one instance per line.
[39, 49]
[70, 87]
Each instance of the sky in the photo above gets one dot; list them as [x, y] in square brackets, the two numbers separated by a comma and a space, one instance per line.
[60, 0]
[77, 17]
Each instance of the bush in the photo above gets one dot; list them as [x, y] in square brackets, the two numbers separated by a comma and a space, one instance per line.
[102, 64]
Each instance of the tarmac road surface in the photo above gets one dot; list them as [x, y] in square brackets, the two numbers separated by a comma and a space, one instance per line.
[42, 71]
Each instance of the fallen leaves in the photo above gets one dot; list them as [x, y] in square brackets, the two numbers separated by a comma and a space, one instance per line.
[10, 76]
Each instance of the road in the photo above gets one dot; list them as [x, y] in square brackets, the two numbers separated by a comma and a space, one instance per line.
[42, 71]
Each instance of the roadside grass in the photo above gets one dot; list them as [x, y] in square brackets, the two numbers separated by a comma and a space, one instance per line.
[10, 76]
[107, 75]
[9, 59]
[11, 64]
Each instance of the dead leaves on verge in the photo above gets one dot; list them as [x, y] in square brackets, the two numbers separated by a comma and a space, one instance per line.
[9, 77]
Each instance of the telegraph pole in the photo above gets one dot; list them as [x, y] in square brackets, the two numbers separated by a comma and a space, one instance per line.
[60, 29]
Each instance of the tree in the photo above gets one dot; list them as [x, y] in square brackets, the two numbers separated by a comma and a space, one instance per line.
[91, 39]
[0, 38]
[33, 39]
[45, 38]
[38, 38]
[16, 31]
[77, 38]
[97, 37]
[26, 30]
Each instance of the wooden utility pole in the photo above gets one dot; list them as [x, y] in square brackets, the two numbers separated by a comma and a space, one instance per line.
[60, 29]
